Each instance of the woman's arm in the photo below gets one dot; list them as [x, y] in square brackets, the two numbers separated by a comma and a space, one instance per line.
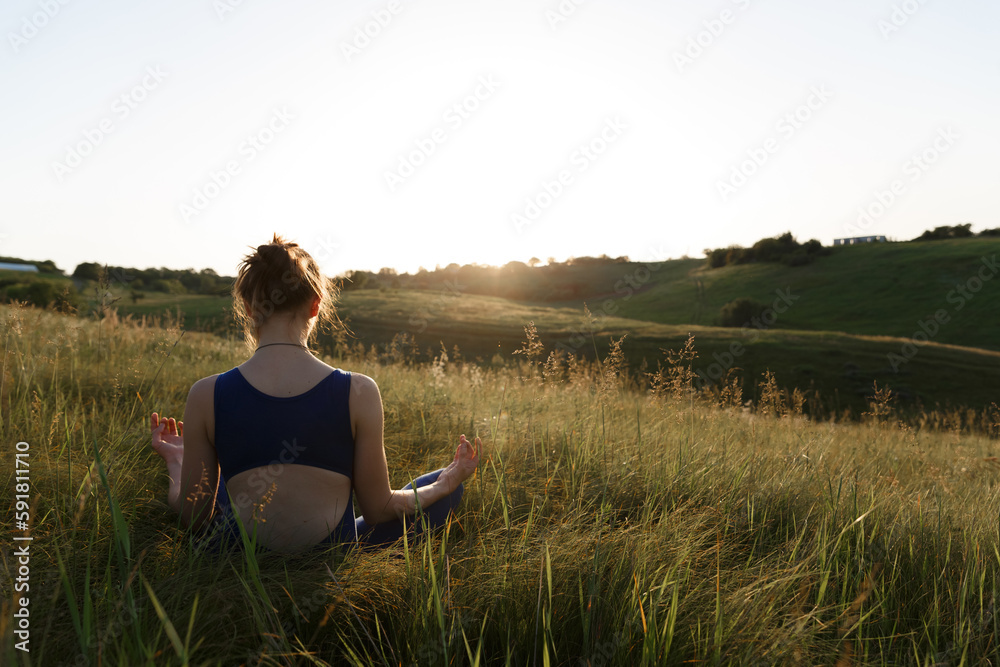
[190, 457]
[168, 442]
[378, 502]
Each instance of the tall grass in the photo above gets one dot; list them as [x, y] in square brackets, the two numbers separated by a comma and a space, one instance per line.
[608, 524]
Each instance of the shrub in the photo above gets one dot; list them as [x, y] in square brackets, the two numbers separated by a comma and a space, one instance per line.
[739, 312]
[170, 286]
[44, 294]
[947, 232]
[782, 248]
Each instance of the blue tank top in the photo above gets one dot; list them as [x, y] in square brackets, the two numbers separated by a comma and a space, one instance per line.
[253, 429]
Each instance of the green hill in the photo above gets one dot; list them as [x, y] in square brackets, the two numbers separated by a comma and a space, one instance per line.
[876, 289]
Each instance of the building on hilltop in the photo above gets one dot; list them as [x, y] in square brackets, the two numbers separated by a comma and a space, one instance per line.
[859, 239]
[7, 266]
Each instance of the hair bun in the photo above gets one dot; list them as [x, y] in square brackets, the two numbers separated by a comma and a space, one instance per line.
[279, 276]
[270, 253]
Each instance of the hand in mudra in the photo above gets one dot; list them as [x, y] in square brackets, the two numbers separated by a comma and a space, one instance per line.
[168, 439]
[463, 465]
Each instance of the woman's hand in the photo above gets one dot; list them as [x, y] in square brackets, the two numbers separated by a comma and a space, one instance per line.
[168, 440]
[463, 465]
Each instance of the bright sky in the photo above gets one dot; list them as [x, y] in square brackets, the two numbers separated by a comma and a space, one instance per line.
[177, 134]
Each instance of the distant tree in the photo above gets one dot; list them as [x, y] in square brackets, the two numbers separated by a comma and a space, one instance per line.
[990, 232]
[168, 285]
[355, 280]
[947, 232]
[533, 262]
[782, 248]
[773, 249]
[87, 271]
[206, 283]
[716, 257]
[591, 261]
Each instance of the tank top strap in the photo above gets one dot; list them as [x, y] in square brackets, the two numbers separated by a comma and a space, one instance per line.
[340, 393]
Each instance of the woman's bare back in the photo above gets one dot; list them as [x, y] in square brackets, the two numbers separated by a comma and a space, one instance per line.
[296, 506]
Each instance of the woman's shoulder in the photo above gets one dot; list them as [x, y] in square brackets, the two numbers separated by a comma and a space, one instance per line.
[362, 385]
[357, 380]
[205, 386]
[363, 390]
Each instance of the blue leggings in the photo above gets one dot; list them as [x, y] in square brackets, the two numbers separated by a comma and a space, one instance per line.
[435, 516]
[224, 531]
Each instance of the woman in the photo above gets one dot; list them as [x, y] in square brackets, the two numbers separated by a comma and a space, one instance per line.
[283, 441]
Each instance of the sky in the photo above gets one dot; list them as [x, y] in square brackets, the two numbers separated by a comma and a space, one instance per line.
[417, 133]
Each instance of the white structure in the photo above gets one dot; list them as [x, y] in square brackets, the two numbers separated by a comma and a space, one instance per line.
[29, 268]
[859, 239]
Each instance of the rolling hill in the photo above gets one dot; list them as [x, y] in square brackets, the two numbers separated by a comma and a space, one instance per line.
[916, 317]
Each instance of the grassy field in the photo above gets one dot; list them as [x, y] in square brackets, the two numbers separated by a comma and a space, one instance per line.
[838, 371]
[608, 525]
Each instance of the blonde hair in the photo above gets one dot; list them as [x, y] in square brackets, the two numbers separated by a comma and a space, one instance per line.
[280, 277]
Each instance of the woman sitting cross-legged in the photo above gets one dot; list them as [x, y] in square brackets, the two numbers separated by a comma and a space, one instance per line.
[290, 440]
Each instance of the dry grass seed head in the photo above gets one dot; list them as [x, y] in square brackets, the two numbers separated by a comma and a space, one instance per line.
[532, 349]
